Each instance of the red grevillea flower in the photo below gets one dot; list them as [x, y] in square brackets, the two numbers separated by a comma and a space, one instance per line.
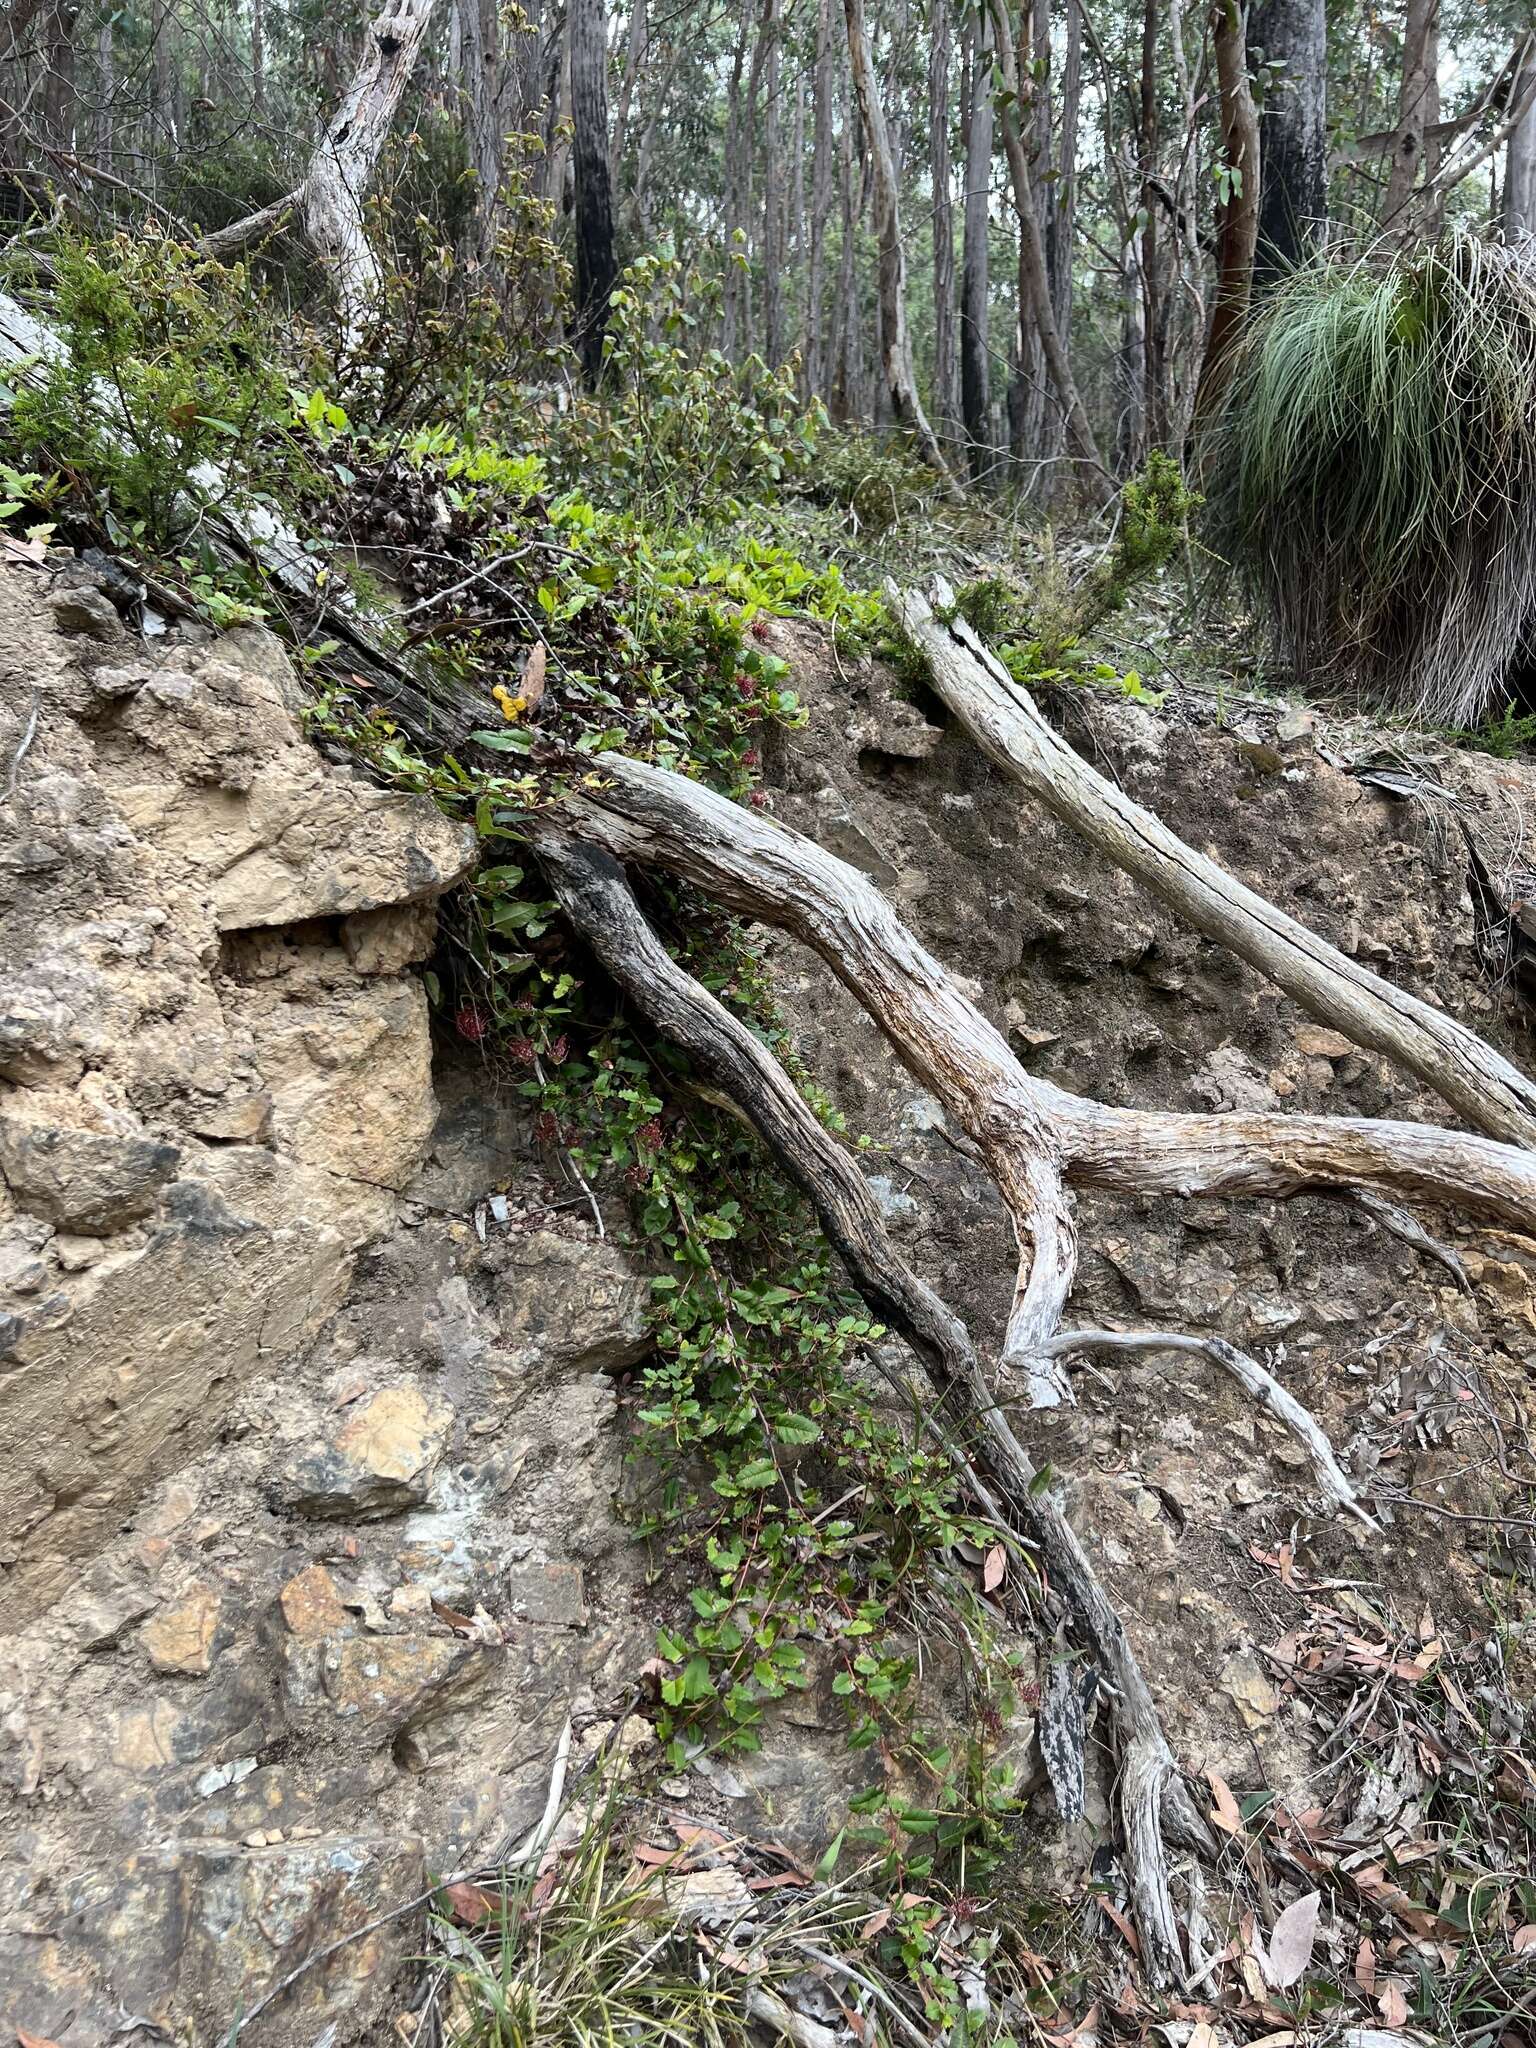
[471, 1022]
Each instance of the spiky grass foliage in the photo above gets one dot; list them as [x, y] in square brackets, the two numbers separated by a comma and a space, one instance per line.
[1375, 472]
[602, 1953]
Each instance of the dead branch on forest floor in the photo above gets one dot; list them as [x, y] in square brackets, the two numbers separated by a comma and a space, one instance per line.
[1003, 719]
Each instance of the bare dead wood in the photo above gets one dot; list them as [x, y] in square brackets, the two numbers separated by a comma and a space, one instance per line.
[999, 714]
[596, 896]
[332, 194]
[1337, 1490]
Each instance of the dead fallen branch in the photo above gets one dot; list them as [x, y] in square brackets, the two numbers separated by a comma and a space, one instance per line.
[1002, 718]
[595, 895]
[760, 868]
[331, 198]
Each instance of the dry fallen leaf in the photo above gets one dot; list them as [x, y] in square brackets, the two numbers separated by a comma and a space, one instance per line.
[1291, 1939]
[1226, 1813]
[1392, 2005]
[875, 1924]
[531, 688]
[1523, 1938]
[993, 1569]
[1365, 1967]
[471, 1905]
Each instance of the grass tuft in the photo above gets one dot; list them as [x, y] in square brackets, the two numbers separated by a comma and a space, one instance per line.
[1375, 473]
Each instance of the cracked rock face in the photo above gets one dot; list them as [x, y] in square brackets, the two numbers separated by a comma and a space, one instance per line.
[309, 1546]
[215, 1064]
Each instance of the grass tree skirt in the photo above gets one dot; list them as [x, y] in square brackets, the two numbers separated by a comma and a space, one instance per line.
[1374, 474]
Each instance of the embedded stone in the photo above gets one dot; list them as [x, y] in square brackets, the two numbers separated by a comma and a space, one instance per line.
[89, 1182]
[181, 1639]
[380, 1460]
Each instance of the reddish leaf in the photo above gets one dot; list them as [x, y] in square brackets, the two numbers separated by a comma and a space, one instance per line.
[777, 1884]
[1225, 1812]
[1114, 1913]
[461, 1624]
[471, 1906]
[875, 1924]
[1365, 1967]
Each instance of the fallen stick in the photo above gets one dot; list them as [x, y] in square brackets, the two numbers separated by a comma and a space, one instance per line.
[1003, 719]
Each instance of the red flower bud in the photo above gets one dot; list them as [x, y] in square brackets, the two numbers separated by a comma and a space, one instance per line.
[471, 1022]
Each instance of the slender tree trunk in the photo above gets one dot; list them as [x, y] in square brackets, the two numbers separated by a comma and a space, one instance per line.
[481, 76]
[259, 56]
[1418, 94]
[1237, 218]
[1154, 408]
[895, 341]
[1034, 284]
[946, 391]
[58, 97]
[104, 134]
[773, 192]
[634, 58]
[816, 352]
[735, 174]
[975, 356]
[845, 377]
[596, 268]
[1520, 163]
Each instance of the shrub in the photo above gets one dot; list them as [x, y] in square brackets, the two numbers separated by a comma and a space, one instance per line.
[1375, 475]
[679, 434]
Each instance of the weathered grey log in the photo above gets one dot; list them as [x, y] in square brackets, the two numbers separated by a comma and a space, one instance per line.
[1000, 715]
[595, 895]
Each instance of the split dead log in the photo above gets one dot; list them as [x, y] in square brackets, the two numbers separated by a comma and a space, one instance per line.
[331, 196]
[1003, 719]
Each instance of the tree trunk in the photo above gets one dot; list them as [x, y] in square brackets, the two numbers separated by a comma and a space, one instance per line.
[773, 191]
[895, 341]
[734, 290]
[259, 55]
[816, 351]
[1034, 284]
[1293, 132]
[1237, 215]
[635, 45]
[481, 76]
[58, 97]
[845, 371]
[1519, 212]
[1419, 90]
[946, 391]
[1154, 402]
[596, 269]
[975, 352]
[334, 191]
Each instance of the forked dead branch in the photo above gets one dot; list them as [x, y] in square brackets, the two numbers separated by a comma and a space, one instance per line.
[1035, 1139]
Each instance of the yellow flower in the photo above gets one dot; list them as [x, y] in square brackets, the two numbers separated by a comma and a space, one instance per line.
[511, 707]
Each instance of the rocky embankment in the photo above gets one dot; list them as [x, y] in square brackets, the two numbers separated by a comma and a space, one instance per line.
[310, 1374]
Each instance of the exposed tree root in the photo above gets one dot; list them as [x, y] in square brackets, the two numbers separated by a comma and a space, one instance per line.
[1006, 724]
[1032, 1137]
[1153, 1798]
[1337, 1491]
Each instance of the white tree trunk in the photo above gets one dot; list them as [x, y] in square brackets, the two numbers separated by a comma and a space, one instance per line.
[332, 196]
